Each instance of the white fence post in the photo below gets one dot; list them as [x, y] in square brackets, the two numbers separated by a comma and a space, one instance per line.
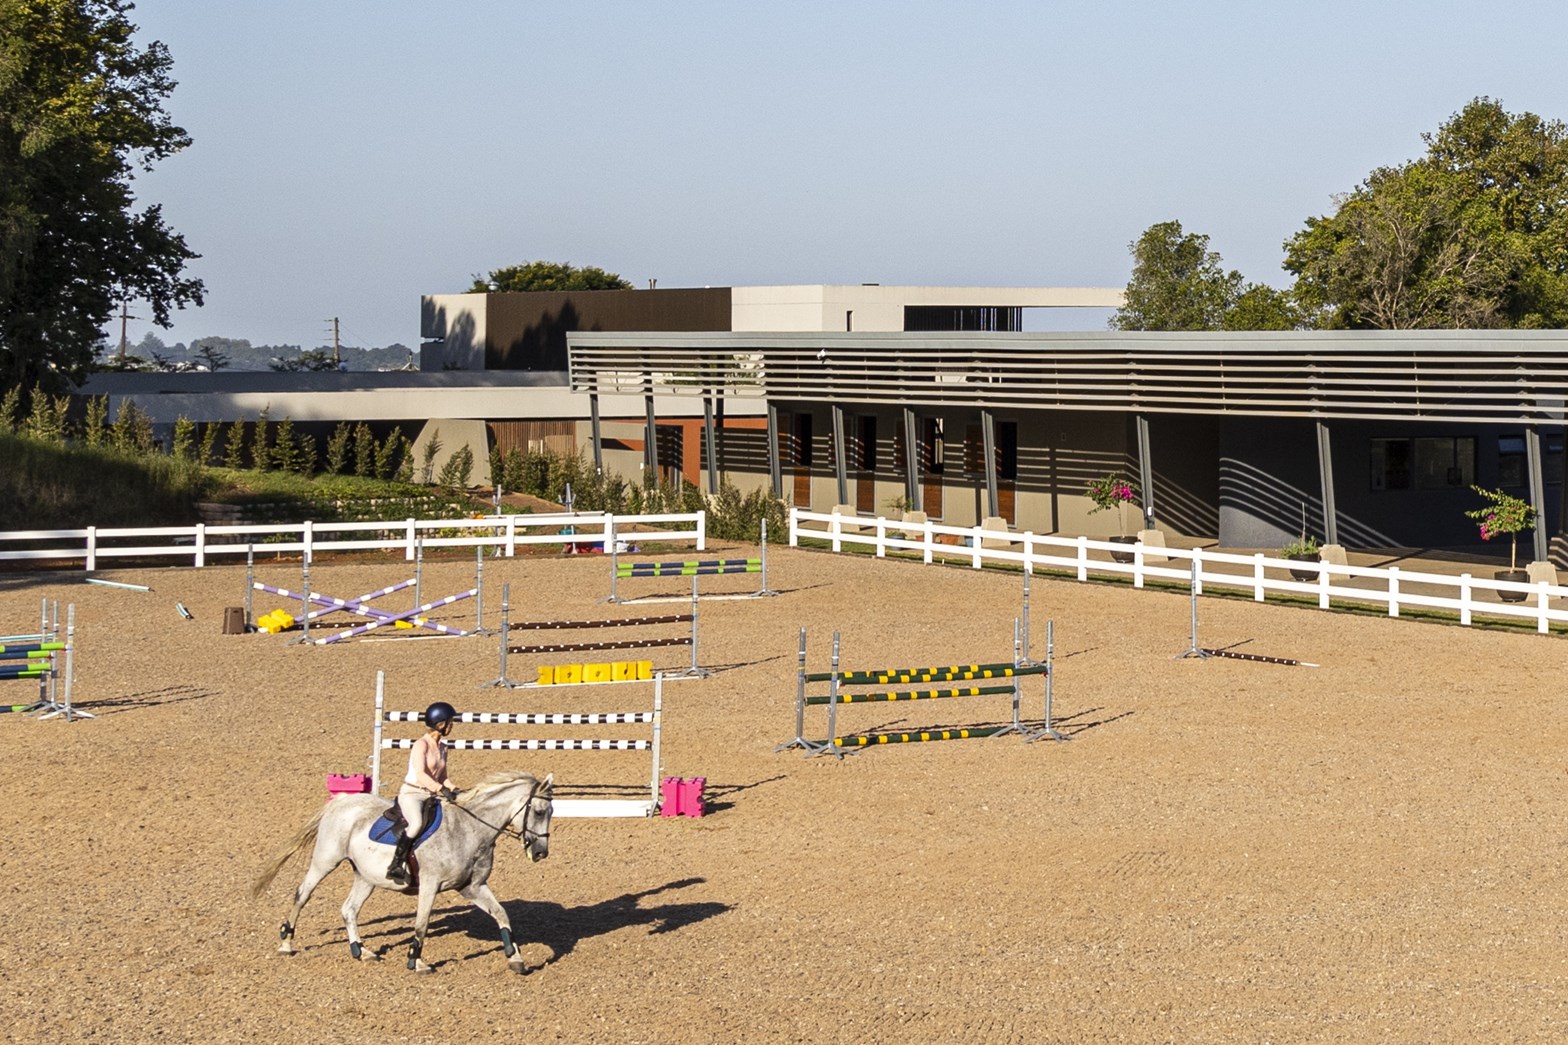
[1197, 571]
[201, 545]
[1257, 577]
[928, 538]
[1393, 591]
[975, 537]
[1137, 565]
[409, 552]
[1541, 625]
[1323, 582]
[1083, 558]
[92, 548]
[1465, 597]
[881, 537]
[794, 527]
[836, 528]
[511, 536]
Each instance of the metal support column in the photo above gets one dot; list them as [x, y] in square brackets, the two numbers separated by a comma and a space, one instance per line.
[1532, 456]
[707, 427]
[988, 437]
[840, 466]
[1326, 482]
[911, 461]
[775, 473]
[598, 434]
[1145, 473]
[650, 449]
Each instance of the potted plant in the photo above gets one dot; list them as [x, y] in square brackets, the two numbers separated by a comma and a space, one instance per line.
[1111, 492]
[1505, 514]
[1303, 549]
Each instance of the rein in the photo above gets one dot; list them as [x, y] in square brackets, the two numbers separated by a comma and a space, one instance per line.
[525, 835]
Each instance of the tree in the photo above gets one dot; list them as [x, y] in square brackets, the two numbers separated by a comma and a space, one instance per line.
[548, 275]
[1472, 235]
[1177, 283]
[1261, 307]
[211, 358]
[80, 106]
[314, 359]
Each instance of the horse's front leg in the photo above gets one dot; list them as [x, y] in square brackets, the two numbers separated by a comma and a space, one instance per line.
[356, 899]
[317, 870]
[428, 887]
[485, 900]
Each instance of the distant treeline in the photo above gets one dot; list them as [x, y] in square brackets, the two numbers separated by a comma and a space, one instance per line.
[229, 353]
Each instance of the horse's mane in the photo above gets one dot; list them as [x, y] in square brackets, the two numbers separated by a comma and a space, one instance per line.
[493, 782]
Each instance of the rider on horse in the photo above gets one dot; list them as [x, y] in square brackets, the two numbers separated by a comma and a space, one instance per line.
[426, 776]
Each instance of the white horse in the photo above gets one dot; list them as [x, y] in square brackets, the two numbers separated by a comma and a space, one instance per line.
[457, 855]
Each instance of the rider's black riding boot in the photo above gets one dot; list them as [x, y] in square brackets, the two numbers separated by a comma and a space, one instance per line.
[398, 871]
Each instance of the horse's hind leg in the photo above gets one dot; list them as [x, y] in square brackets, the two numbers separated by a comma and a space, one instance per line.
[485, 900]
[356, 899]
[318, 869]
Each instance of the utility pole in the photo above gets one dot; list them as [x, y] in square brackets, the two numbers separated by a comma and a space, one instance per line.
[337, 355]
[125, 317]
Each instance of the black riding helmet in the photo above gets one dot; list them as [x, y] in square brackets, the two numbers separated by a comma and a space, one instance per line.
[438, 713]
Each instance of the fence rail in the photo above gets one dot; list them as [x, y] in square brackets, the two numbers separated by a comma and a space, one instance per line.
[92, 545]
[1391, 588]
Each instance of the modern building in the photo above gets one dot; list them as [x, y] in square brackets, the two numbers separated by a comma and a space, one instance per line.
[879, 400]
[1366, 439]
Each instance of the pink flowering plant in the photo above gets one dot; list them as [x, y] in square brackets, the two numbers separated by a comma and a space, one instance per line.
[1111, 491]
[1503, 514]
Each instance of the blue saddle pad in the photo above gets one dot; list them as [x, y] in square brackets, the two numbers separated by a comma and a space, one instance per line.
[382, 830]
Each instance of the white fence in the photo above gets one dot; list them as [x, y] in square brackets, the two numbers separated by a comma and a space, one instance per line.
[201, 542]
[1331, 584]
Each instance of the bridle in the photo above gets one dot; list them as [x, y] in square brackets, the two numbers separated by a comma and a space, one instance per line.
[527, 835]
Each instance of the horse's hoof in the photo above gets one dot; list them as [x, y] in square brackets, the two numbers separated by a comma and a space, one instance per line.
[284, 948]
[421, 969]
[368, 955]
[517, 965]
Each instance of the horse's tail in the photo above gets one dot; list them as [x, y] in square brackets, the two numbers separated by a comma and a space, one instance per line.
[303, 837]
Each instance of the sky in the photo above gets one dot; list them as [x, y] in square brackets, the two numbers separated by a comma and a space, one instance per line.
[349, 157]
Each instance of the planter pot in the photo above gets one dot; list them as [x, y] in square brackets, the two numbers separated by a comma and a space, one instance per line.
[1304, 575]
[1117, 556]
[1521, 576]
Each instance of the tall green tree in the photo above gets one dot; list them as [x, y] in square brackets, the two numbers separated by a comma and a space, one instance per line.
[548, 275]
[1472, 235]
[81, 107]
[1177, 283]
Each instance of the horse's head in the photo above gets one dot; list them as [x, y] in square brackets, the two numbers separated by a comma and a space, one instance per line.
[536, 814]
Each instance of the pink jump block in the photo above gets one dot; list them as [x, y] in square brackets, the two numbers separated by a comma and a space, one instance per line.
[681, 797]
[347, 784]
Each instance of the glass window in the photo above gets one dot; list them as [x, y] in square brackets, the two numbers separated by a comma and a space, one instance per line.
[1444, 463]
[1390, 464]
[1510, 460]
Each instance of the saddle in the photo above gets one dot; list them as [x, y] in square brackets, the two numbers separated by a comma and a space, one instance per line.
[389, 827]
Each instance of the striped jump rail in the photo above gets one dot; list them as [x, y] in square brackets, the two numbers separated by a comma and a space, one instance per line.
[950, 673]
[652, 718]
[695, 670]
[625, 571]
[1009, 676]
[16, 651]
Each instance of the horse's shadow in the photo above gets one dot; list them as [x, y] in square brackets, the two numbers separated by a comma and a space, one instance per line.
[559, 928]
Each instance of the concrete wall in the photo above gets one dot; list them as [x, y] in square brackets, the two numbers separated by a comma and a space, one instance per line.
[872, 307]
